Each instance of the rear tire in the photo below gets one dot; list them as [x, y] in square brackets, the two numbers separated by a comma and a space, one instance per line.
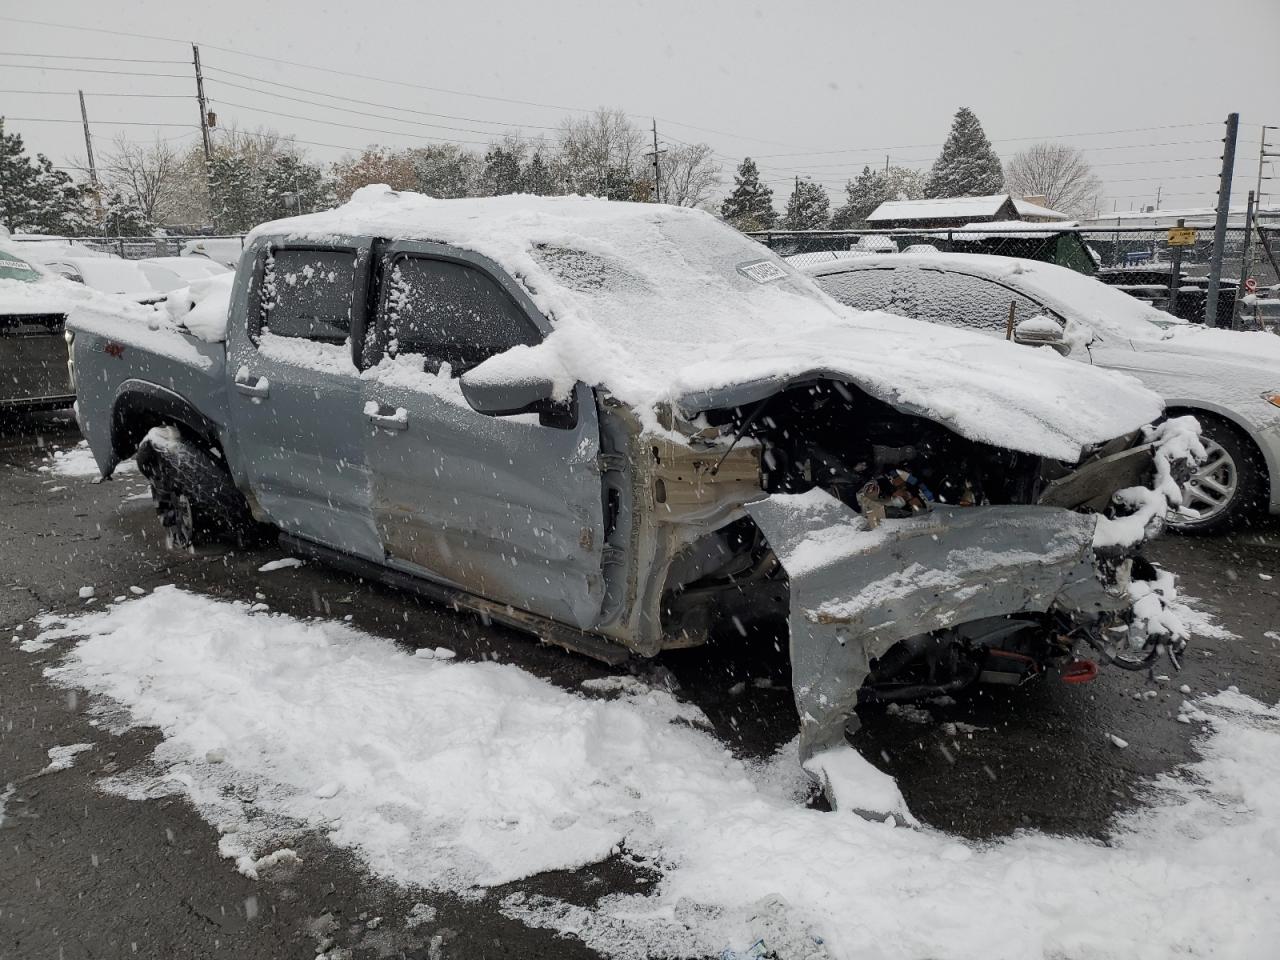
[1229, 488]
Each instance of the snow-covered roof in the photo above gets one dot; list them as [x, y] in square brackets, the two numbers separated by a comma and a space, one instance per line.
[1012, 228]
[944, 208]
[661, 303]
[1026, 208]
[50, 294]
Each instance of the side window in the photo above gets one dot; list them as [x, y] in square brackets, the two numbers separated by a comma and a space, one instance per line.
[450, 313]
[884, 289]
[959, 300]
[308, 294]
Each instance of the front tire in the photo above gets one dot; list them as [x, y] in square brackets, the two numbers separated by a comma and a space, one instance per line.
[196, 499]
[1229, 488]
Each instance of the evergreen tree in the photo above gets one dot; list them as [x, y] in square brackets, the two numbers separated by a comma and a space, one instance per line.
[872, 188]
[967, 166]
[34, 196]
[538, 177]
[502, 170]
[291, 185]
[235, 192]
[750, 205]
[445, 170]
[122, 217]
[808, 208]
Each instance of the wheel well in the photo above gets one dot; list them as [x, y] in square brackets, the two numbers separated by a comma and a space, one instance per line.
[138, 410]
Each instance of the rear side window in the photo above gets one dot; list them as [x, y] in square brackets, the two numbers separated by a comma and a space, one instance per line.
[308, 294]
[959, 300]
[449, 312]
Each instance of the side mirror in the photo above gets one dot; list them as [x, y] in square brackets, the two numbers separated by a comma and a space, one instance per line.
[1041, 331]
[504, 398]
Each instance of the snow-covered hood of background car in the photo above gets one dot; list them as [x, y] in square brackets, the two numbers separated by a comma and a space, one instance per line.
[657, 303]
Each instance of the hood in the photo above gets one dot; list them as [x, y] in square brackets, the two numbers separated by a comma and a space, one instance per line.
[1019, 398]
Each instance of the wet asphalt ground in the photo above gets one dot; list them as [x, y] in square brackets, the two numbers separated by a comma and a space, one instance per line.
[87, 874]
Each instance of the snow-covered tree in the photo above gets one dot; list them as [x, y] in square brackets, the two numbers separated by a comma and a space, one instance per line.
[122, 216]
[34, 196]
[539, 176]
[689, 174]
[750, 205]
[445, 170]
[967, 166]
[603, 154]
[872, 188]
[503, 167]
[375, 165]
[291, 185]
[808, 208]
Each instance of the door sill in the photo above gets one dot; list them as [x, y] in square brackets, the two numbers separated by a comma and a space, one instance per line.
[547, 630]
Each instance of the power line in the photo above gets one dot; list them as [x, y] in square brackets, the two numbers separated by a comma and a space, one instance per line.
[112, 123]
[77, 56]
[118, 73]
[334, 96]
[349, 126]
[72, 93]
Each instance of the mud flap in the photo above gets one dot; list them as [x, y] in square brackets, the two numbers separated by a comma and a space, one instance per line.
[855, 591]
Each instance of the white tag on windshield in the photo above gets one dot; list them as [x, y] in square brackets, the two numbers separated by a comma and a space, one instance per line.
[762, 271]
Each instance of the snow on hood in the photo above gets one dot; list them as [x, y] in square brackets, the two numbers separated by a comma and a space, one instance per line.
[657, 303]
[50, 294]
[199, 309]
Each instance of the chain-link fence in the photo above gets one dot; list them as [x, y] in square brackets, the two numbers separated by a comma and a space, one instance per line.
[1138, 260]
[140, 248]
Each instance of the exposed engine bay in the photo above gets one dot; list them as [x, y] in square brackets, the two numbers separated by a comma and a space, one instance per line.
[913, 562]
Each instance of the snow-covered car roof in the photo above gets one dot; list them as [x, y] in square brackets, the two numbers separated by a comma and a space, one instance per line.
[188, 268]
[660, 303]
[1071, 293]
[49, 294]
[130, 278]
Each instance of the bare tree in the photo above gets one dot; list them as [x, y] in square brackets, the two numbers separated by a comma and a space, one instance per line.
[1057, 172]
[689, 174]
[601, 154]
[148, 175]
[376, 164]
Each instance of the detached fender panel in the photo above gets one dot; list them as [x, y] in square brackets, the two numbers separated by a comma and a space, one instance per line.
[856, 591]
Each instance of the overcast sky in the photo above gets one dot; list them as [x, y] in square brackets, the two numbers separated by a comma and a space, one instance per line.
[790, 84]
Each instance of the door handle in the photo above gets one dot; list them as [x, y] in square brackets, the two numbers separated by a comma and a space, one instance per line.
[255, 387]
[397, 420]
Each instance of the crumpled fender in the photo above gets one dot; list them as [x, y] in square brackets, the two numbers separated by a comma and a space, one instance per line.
[855, 591]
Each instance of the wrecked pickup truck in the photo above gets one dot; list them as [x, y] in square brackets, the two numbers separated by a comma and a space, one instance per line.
[627, 428]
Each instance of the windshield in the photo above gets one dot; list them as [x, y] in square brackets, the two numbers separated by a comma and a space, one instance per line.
[13, 267]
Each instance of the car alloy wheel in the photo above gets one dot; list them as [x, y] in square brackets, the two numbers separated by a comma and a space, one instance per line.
[1212, 487]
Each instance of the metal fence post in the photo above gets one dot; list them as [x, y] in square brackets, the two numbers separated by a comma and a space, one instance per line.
[1175, 274]
[1220, 228]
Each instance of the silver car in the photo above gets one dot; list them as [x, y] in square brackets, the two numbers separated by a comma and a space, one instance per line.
[1229, 380]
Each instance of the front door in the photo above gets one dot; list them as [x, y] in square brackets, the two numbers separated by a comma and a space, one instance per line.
[295, 393]
[509, 508]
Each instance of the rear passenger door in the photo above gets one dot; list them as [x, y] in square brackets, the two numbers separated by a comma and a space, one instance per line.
[509, 508]
[295, 392]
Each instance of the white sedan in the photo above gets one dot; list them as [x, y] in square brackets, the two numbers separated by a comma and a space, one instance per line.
[1229, 380]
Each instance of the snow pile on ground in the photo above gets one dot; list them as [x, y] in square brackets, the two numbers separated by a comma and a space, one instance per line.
[457, 775]
[658, 303]
[78, 462]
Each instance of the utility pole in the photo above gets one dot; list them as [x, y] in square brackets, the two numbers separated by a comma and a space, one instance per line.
[93, 167]
[657, 169]
[88, 143]
[204, 106]
[1175, 274]
[1159, 189]
[1220, 228]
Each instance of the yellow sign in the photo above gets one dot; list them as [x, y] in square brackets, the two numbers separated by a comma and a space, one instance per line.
[1182, 236]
